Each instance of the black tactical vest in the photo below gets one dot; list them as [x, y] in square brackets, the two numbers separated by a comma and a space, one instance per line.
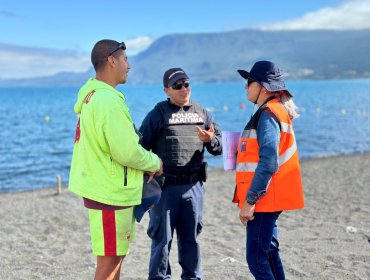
[178, 144]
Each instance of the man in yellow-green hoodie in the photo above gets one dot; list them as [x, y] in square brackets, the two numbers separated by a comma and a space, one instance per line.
[108, 162]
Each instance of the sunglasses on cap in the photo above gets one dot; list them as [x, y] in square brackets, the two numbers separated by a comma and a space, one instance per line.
[178, 85]
[120, 46]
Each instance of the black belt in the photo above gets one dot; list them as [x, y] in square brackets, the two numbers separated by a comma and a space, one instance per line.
[182, 179]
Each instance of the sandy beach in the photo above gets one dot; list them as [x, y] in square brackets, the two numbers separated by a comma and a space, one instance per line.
[46, 236]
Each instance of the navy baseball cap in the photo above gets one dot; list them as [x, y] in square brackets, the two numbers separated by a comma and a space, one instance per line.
[172, 75]
[267, 74]
[151, 196]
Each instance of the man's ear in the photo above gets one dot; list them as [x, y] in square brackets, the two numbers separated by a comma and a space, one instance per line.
[166, 91]
[111, 61]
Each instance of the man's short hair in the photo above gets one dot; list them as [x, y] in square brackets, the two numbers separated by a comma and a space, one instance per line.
[100, 53]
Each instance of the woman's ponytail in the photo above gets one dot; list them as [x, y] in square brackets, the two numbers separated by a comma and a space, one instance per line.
[287, 101]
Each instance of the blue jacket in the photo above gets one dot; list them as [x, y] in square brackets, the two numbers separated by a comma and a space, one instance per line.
[268, 137]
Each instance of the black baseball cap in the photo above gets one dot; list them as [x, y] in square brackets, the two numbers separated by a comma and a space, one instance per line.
[172, 75]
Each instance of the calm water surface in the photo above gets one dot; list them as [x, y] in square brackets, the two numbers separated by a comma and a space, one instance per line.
[38, 124]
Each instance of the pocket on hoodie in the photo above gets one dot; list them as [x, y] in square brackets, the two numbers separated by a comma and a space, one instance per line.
[125, 176]
[113, 169]
[131, 178]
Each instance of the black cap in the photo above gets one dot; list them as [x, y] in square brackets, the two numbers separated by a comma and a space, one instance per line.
[267, 74]
[172, 75]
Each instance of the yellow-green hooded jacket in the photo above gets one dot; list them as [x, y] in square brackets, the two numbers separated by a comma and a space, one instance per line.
[108, 161]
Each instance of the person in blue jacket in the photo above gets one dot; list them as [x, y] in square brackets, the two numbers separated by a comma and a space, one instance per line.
[179, 130]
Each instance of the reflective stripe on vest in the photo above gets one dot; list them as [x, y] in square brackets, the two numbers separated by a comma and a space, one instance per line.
[251, 133]
[283, 158]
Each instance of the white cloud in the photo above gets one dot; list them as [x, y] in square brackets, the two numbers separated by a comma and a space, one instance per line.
[138, 44]
[28, 62]
[350, 15]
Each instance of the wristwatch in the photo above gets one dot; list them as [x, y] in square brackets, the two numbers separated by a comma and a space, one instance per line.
[250, 202]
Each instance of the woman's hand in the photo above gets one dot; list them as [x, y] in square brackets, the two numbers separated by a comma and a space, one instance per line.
[246, 213]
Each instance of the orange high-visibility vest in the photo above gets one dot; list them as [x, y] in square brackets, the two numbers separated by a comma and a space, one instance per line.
[285, 190]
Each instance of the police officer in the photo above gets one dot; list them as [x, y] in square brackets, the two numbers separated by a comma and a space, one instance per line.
[178, 130]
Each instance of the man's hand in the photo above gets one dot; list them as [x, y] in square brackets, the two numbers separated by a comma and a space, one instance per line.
[150, 176]
[158, 173]
[246, 213]
[205, 135]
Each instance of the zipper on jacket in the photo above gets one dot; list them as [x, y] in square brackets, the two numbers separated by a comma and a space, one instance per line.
[112, 171]
[125, 176]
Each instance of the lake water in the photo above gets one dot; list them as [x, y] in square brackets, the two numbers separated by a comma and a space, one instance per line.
[38, 124]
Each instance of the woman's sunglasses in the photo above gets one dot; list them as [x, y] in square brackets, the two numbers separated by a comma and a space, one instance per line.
[178, 86]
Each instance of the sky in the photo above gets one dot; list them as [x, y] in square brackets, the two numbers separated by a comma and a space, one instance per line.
[44, 37]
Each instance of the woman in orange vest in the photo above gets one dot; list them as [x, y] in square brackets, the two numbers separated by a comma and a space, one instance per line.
[268, 177]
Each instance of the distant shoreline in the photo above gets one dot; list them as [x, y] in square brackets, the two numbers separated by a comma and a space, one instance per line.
[210, 168]
[18, 83]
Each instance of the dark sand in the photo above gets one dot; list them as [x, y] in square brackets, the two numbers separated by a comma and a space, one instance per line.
[46, 236]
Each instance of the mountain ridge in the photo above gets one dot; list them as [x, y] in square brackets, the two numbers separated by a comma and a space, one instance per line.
[215, 57]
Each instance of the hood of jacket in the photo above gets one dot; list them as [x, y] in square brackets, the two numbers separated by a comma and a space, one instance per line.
[89, 86]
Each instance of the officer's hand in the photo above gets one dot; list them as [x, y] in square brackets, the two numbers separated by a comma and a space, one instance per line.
[206, 135]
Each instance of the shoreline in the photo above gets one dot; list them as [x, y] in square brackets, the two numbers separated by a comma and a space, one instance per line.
[43, 233]
[210, 168]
